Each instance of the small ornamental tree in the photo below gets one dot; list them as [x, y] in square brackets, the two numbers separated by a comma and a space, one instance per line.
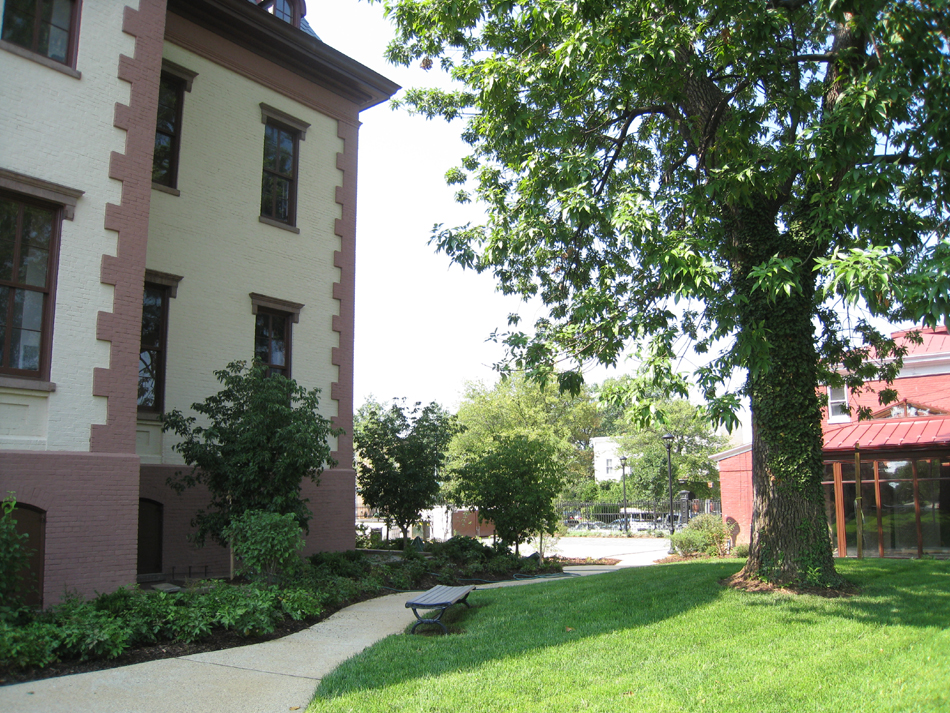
[400, 452]
[513, 484]
[264, 435]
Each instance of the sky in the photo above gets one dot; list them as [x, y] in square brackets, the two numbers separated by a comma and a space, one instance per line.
[421, 323]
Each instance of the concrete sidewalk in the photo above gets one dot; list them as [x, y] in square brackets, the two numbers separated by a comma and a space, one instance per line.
[275, 676]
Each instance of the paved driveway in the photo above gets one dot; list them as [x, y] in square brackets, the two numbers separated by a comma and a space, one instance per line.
[631, 551]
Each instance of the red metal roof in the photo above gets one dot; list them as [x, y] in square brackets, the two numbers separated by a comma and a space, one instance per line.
[890, 433]
[935, 341]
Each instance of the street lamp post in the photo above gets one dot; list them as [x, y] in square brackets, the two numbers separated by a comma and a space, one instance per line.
[623, 478]
[668, 440]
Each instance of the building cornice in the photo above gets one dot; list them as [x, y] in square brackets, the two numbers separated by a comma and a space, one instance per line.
[246, 25]
[738, 450]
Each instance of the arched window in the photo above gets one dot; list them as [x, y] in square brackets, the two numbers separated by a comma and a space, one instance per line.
[290, 11]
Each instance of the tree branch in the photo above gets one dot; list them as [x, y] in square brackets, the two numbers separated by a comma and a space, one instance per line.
[824, 57]
[621, 139]
[787, 4]
[901, 159]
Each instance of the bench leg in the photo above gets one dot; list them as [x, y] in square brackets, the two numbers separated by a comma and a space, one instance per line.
[430, 621]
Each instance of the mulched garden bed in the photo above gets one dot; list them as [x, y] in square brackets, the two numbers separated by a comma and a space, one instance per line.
[225, 639]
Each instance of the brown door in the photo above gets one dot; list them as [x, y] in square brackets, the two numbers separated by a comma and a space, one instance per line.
[150, 537]
[32, 522]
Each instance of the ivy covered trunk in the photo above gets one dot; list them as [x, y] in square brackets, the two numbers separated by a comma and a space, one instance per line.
[790, 541]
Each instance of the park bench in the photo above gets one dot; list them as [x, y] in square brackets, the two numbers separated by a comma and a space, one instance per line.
[441, 598]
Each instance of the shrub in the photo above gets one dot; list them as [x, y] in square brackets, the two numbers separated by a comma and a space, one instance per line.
[334, 589]
[85, 632]
[145, 615]
[266, 542]
[715, 530]
[741, 551]
[503, 563]
[704, 533]
[32, 646]
[690, 542]
[189, 624]
[462, 550]
[364, 538]
[301, 603]
[350, 564]
[149, 616]
[14, 555]
[449, 575]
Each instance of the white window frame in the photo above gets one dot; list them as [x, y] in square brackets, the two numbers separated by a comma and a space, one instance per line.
[835, 412]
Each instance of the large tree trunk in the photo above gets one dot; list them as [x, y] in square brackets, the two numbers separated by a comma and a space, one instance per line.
[790, 541]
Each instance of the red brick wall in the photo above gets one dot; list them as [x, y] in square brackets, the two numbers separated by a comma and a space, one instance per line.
[735, 482]
[177, 553]
[465, 522]
[91, 505]
[333, 526]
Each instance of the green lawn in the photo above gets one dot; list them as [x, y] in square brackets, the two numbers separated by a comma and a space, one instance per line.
[670, 638]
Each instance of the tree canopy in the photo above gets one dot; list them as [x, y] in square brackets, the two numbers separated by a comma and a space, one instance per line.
[694, 441]
[516, 406]
[513, 483]
[729, 172]
[400, 452]
[264, 435]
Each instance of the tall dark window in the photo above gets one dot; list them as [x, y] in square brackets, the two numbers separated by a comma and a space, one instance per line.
[272, 340]
[279, 184]
[28, 235]
[41, 26]
[171, 91]
[151, 394]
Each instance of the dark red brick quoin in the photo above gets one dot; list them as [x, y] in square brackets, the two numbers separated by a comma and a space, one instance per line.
[340, 484]
[126, 270]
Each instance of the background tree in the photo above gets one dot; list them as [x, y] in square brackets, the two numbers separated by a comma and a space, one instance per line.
[693, 443]
[728, 172]
[265, 434]
[513, 483]
[613, 402]
[400, 453]
[517, 406]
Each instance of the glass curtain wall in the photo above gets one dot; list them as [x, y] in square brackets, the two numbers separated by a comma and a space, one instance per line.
[903, 506]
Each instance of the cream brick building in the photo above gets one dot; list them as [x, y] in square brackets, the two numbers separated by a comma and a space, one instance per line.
[198, 157]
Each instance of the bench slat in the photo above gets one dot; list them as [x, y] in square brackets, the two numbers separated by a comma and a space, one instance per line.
[439, 596]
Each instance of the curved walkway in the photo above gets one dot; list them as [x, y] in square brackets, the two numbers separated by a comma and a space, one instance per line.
[271, 677]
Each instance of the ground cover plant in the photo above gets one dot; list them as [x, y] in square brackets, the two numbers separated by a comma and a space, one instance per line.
[132, 625]
[671, 638]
